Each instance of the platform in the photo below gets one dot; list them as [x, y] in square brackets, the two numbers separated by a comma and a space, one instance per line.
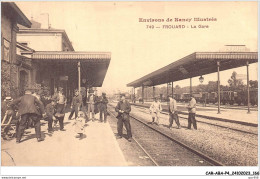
[98, 147]
[233, 115]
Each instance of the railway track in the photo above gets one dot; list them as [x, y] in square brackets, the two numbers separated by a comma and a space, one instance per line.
[164, 150]
[255, 145]
[233, 107]
[204, 122]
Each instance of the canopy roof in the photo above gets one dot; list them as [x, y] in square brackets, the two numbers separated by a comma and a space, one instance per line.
[196, 64]
[94, 65]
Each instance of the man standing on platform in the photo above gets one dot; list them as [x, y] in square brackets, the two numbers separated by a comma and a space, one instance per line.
[50, 110]
[123, 108]
[155, 110]
[103, 107]
[192, 111]
[92, 99]
[173, 113]
[76, 104]
[28, 110]
[61, 103]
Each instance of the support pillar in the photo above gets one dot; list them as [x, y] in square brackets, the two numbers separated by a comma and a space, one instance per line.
[79, 76]
[218, 64]
[134, 94]
[172, 89]
[167, 93]
[190, 86]
[153, 92]
[143, 94]
[248, 94]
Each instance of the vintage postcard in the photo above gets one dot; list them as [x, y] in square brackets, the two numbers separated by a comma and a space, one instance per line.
[128, 83]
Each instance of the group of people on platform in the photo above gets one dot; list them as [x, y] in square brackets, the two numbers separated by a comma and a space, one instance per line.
[156, 108]
[30, 110]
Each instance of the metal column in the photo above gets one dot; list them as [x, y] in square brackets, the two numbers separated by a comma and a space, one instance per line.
[172, 89]
[167, 93]
[248, 94]
[79, 75]
[218, 64]
[190, 86]
[153, 92]
[134, 94]
[143, 94]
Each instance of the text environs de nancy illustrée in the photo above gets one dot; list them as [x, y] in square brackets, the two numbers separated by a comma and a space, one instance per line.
[177, 23]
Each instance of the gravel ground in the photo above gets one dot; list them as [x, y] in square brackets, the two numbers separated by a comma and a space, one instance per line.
[227, 133]
[134, 155]
[227, 146]
[211, 121]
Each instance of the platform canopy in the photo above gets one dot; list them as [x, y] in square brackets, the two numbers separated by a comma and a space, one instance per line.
[196, 64]
[93, 65]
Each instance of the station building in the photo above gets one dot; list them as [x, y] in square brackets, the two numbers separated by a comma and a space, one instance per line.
[55, 64]
[11, 16]
[46, 61]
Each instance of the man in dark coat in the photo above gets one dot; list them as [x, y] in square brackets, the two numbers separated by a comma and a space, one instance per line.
[76, 104]
[28, 110]
[103, 107]
[60, 108]
[123, 108]
[50, 111]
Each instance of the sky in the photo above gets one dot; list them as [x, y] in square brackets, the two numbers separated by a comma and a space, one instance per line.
[137, 49]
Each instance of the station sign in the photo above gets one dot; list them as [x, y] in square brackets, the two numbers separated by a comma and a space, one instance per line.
[64, 78]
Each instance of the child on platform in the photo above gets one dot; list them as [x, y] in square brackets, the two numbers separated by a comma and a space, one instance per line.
[80, 124]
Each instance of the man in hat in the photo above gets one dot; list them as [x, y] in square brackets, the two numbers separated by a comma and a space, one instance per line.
[28, 110]
[123, 108]
[76, 104]
[103, 107]
[91, 101]
[155, 110]
[61, 103]
[192, 111]
[50, 111]
[173, 113]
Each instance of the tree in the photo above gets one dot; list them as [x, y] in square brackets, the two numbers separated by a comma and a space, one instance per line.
[253, 83]
[200, 88]
[235, 83]
[177, 89]
[212, 86]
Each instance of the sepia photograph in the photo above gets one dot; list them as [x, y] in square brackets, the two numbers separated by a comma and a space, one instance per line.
[130, 84]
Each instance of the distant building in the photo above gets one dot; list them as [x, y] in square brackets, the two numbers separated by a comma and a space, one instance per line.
[45, 39]
[36, 39]
[11, 67]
